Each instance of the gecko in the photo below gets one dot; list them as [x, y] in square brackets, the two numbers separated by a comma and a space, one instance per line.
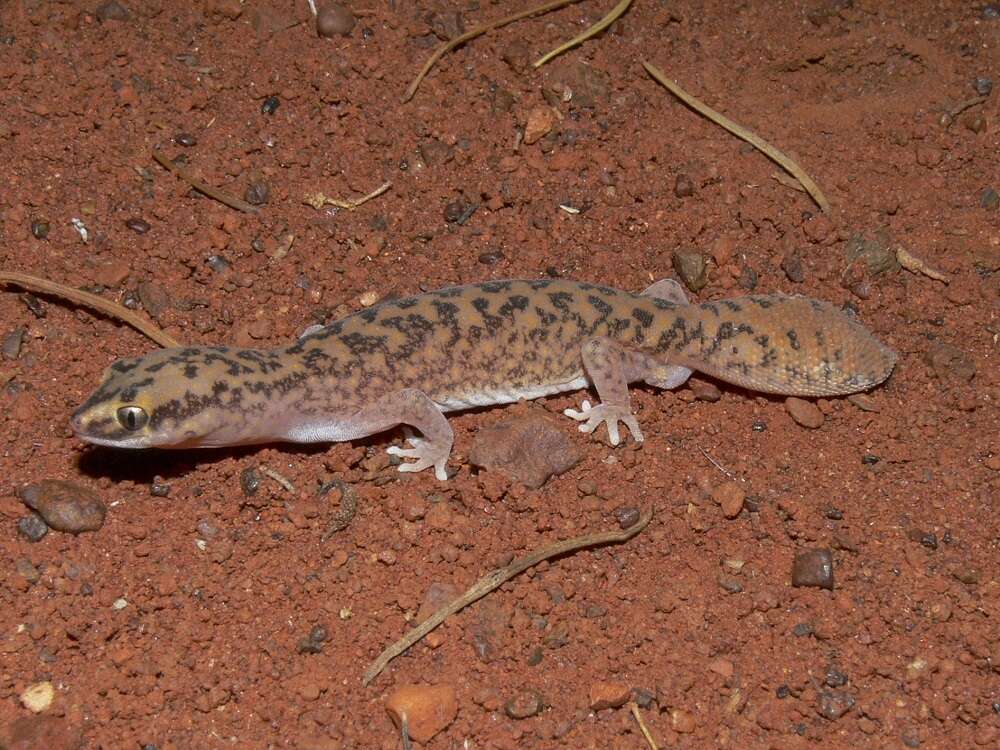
[409, 361]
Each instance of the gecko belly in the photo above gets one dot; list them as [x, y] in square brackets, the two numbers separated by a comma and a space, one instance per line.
[496, 396]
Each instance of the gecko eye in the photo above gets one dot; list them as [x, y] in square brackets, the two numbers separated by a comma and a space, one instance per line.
[132, 418]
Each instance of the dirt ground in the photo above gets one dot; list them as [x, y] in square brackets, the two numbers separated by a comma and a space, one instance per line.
[185, 621]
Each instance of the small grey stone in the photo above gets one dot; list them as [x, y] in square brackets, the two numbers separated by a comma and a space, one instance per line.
[989, 199]
[11, 346]
[137, 225]
[982, 85]
[249, 481]
[32, 527]
[111, 11]
[692, 268]
[833, 704]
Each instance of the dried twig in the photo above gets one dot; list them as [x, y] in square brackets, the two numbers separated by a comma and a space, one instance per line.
[473, 33]
[913, 264]
[642, 726]
[203, 187]
[35, 284]
[740, 132]
[279, 478]
[494, 580]
[318, 200]
[594, 30]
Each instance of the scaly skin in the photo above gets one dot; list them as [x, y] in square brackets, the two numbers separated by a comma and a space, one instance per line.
[407, 361]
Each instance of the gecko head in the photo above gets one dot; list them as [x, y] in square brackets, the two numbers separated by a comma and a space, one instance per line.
[167, 399]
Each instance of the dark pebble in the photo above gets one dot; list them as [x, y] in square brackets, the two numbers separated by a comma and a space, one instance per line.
[791, 264]
[459, 212]
[159, 487]
[683, 187]
[834, 514]
[643, 698]
[111, 11]
[782, 692]
[137, 225]
[33, 304]
[524, 705]
[32, 527]
[65, 506]
[910, 738]
[185, 139]
[834, 677]
[11, 347]
[249, 481]
[802, 629]
[813, 567]
[833, 704]
[870, 459]
[748, 278]
[926, 539]
[535, 656]
[257, 194]
[983, 86]
[270, 105]
[218, 263]
[759, 426]
[989, 199]
[367, 33]
[318, 633]
[627, 517]
[334, 20]
[491, 257]
[39, 229]
[991, 11]
[313, 643]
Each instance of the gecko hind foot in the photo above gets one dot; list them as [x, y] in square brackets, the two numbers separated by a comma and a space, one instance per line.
[426, 453]
[610, 414]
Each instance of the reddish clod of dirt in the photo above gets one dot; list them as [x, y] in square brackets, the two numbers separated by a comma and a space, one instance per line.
[201, 615]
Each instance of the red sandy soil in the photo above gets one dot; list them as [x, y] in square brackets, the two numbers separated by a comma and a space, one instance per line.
[696, 615]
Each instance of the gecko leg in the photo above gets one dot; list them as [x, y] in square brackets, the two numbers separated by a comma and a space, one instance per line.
[411, 407]
[611, 367]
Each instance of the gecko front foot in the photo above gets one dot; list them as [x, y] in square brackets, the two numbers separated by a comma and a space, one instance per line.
[610, 414]
[426, 453]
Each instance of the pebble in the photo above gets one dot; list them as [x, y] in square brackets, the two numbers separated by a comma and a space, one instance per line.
[682, 721]
[39, 229]
[877, 253]
[989, 199]
[608, 695]
[111, 11]
[683, 186]
[529, 449]
[231, 9]
[11, 347]
[627, 517]
[524, 705]
[975, 122]
[435, 152]
[832, 704]
[249, 481]
[791, 264]
[438, 594]
[27, 570]
[805, 413]
[185, 139]
[64, 506]
[32, 527]
[159, 487]
[491, 257]
[993, 462]
[137, 225]
[704, 391]
[730, 497]
[692, 268]
[982, 85]
[313, 643]
[154, 298]
[991, 11]
[813, 567]
[428, 709]
[38, 697]
[540, 121]
[32, 732]
[257, 193]
[270, 105]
